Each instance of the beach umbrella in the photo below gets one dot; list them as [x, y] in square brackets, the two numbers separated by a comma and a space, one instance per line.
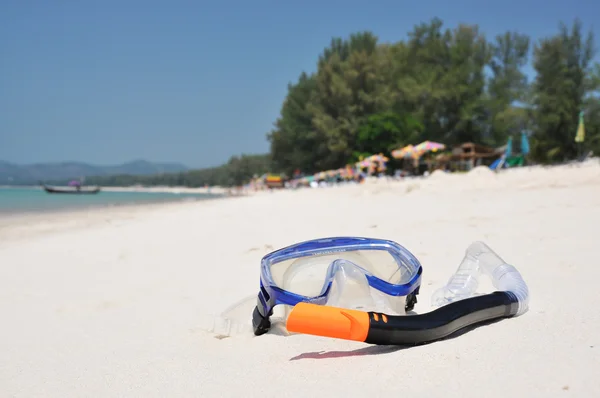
[403, 152]
[524, 144]
[429, 146]
[580, 136]
[377, 162]
[363, 163]
[378, 158]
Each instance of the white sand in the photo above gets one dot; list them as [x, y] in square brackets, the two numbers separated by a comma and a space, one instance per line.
[111, 304]
[213, 190]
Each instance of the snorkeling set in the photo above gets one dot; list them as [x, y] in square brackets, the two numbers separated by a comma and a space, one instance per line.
[363, 289]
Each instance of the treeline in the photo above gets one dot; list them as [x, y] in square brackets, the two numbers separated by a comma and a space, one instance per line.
[237, 171]
[449, 85]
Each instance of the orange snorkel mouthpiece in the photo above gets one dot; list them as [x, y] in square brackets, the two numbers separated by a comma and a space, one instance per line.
[320, 320]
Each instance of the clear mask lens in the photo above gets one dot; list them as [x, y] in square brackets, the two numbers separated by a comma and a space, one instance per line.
[308, 276]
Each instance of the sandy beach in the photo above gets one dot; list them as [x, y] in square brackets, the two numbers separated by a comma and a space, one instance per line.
[114, 303]
[213, 190]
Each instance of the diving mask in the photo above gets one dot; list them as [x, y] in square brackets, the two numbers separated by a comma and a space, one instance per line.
[351, 272]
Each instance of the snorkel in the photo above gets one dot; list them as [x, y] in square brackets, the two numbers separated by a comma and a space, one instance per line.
[458, 304]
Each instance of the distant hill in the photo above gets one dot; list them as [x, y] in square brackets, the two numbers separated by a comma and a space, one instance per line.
[13, 174]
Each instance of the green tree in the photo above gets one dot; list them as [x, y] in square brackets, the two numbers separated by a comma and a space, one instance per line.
[295, 143]
[384, 132]
[350, 87]
[592, 110]
[563, 66]
[442, 80]
[508, 88]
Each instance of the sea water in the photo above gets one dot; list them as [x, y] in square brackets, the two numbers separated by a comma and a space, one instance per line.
[25, 200]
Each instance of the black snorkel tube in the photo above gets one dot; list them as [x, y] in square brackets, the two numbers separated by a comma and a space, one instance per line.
[459, 307]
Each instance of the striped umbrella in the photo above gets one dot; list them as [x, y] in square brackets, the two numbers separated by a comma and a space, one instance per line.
[429, 146]
[403, 152]
[378, 158]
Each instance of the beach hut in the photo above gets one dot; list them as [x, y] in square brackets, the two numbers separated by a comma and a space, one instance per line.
[468, 155]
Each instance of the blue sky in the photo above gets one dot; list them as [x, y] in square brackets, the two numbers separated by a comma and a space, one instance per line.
[193, 81]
